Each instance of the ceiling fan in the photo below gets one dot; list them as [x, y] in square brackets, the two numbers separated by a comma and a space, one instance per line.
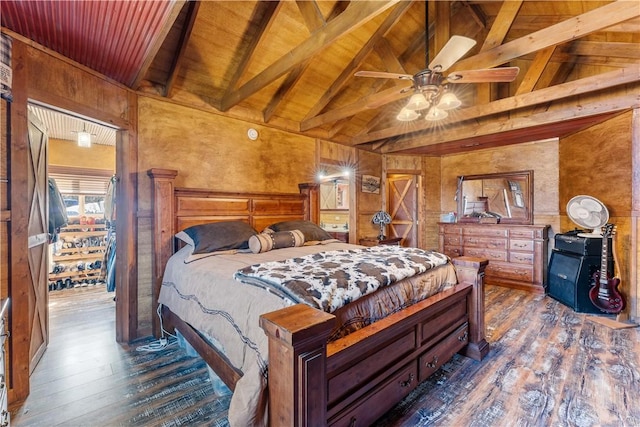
[430, 87]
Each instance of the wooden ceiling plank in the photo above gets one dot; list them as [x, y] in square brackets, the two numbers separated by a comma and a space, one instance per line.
[347, 72]
[570, 29]
[535, 70]
[610, 105]
[192, 14]
[476, 14]
[267, 11]
[389, 58]
[155, 46]
[294, 76]
[588, 84]
[356, 14]
[507, 14]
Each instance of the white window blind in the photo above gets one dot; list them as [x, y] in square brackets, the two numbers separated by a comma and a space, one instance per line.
[71, 183]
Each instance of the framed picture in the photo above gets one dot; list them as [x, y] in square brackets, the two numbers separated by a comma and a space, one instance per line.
[370, 184]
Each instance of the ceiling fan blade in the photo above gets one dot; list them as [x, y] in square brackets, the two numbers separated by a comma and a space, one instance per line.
[503, 74]
[383, 75]
[456, 48]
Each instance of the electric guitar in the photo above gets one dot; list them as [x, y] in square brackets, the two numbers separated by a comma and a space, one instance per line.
[604, 293]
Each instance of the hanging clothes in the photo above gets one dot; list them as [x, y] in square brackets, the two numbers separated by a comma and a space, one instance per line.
[57, 211]
[110, 201]
[109, 264]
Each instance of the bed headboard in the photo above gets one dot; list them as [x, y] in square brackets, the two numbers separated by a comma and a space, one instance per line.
[175, 209]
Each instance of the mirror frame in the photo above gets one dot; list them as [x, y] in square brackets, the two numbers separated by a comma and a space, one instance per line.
[523, 176]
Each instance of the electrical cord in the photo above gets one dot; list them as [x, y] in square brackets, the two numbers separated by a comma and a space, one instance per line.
[163, 342]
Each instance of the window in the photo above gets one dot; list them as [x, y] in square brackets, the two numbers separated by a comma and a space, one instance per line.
[78, 204]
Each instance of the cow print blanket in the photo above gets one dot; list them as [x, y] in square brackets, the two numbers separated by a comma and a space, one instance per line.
[332, 279]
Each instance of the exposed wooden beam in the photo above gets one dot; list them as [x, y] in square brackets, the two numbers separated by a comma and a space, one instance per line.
[347, 72]
[507, 14]
[610, 105]
[575, 27]
[576, 87]
[605, 49]
[357, 14]
[263, 16]
[293, 77]
[535, 70]
[155, 46]
[192, 13]
[311, 14]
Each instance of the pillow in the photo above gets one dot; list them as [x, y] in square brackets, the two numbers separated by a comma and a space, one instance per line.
[280, 239]
[217, 236]
[311, 231]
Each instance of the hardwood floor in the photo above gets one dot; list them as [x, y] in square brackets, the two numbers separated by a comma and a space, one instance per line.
[548, 366]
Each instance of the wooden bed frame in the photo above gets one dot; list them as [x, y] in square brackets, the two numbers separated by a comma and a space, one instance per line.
[353, 380]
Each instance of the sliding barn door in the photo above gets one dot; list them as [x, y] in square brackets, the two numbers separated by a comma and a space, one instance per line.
[403, 207]
[38, 242]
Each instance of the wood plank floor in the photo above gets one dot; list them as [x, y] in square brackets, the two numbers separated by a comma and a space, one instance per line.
[548, 366]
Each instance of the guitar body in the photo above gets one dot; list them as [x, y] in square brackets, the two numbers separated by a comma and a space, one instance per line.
[604, 293]
[606, 297]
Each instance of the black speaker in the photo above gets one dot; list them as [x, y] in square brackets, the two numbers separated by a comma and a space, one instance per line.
[569, 279]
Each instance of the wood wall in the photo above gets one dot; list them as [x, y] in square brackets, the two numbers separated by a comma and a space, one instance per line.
[67, 153]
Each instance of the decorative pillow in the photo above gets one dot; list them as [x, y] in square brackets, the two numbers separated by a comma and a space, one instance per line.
[311, 231]
[281, 239]
[217, 236]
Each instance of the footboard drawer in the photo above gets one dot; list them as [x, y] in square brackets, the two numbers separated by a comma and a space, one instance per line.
[381, 400]
[433, 359]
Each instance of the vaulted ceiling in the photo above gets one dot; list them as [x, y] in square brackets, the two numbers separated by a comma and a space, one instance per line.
[291, 64]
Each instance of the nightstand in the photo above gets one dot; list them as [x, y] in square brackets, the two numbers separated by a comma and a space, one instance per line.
[373, 241]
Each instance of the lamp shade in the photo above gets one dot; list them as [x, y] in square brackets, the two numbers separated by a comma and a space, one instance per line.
[84, 139]
[417, 102]
[435, 114]
[449, 101]
[407, 115]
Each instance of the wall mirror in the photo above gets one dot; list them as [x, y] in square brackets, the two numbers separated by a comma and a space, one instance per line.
[507, 196]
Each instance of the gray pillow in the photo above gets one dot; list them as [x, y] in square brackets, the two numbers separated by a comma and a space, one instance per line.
[311, 231]
[218, 236]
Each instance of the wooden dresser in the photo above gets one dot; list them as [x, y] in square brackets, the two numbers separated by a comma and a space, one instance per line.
[517, 254]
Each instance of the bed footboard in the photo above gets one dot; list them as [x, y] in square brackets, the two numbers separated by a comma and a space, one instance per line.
[356, 379]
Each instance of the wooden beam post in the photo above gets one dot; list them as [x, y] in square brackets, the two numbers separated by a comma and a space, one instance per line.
[471, 270]
[297, 365]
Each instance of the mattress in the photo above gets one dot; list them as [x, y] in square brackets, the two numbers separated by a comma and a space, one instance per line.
[204, 294]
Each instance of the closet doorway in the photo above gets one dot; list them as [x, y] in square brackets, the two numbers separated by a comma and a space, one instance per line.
[80, 166]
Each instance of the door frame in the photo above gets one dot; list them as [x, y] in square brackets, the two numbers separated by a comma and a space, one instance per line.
[126, 198]
[418, 200]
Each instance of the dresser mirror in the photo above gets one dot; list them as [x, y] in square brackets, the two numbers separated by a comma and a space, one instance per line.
[507, 197]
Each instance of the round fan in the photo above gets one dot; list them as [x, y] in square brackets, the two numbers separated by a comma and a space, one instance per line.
[588, 212]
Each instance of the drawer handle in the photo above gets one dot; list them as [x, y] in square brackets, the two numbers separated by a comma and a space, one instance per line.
[433, 363]
[408, 381]
[352, 422]
[463, 337]
[522, 258]
[519, 245]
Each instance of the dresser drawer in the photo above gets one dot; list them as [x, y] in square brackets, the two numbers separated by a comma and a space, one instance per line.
[375, 405]
[452, 251]
[486, 253]
[484, 242]
[452, 239]
[519, 272]
[521, 257]
[522, 233]
[521, 245]
[485, 231]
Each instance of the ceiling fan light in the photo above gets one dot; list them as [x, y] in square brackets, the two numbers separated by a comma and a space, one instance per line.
[449, 101]
[417, 102]
[435, 113]
[406, 115]
[84, 139]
